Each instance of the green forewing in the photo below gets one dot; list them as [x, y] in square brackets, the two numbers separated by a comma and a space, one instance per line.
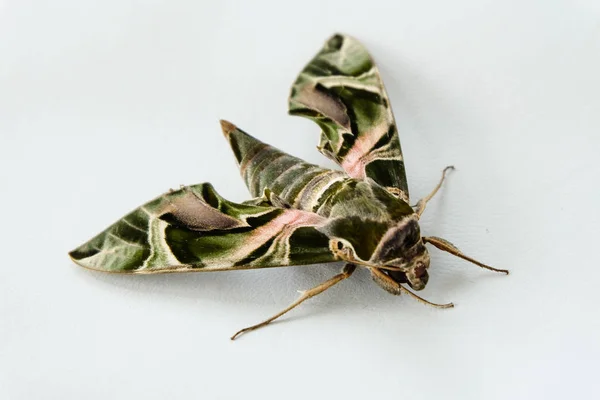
[341, 90]
[195, 229]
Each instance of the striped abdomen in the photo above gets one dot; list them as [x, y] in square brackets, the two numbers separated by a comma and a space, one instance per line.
[304, 186]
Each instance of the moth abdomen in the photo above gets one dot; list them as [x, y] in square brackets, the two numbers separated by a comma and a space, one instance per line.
[262, 166]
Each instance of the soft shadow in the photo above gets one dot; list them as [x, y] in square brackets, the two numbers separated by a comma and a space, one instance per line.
[275, 288]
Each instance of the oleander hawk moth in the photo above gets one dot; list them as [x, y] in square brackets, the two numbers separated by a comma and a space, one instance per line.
[300, 213]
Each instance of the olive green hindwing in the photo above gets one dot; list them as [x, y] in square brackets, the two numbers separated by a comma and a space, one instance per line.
[341, 90]
[195, 229]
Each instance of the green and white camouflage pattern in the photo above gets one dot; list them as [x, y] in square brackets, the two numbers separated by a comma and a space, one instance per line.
[341, 90]
[194, 228]
[359, 212]
[301, 213]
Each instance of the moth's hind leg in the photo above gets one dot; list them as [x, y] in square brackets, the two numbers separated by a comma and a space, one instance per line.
[446, 246]
[305, 295]
[421, 204]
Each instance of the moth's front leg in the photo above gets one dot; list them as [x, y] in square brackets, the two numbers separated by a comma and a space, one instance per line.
[393, 287]
[385, 282]
[304, 295]
[421, 204]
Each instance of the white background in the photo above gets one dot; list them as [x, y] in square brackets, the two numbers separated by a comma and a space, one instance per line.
[106, 104]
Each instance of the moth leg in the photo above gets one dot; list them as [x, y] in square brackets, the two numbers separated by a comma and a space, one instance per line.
[445, 245]
[304, 295]
[421, 204]
[385, 282]
[395, 288]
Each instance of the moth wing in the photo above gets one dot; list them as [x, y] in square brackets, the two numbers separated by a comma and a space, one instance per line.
[342, 91]
[195, 229]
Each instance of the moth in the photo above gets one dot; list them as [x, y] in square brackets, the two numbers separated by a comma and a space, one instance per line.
[300, 213]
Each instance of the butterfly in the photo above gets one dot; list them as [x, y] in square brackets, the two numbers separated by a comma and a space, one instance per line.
[299, 213]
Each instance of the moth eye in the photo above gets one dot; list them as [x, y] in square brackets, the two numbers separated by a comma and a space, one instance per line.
[340, 245]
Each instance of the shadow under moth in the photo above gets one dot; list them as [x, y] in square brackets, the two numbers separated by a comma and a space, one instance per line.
[300, 213]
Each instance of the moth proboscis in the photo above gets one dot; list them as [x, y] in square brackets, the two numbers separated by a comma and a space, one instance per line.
[301, 213]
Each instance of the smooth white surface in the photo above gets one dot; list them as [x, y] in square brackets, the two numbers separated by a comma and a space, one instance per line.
[106, 104]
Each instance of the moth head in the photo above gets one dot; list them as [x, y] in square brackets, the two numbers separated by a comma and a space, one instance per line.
[403, 247]
[416, 272]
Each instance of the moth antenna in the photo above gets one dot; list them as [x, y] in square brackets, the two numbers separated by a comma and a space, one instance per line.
[446, 246]
[361, 263]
